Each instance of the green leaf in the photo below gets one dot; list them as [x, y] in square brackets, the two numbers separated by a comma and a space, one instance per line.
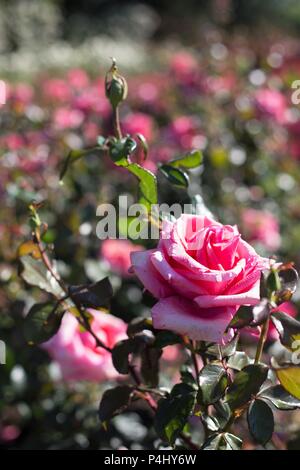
[175, 176]
[223, 412]
[166, 338]
[210, 422]
[280, 398]
[92, 296]
[173, 412]
[287, 327]
[233, 442]
[247, 383]
[139, 324]
[214, 442]
[114, 401]
[147, 185]
[73, 156]
[150, 365]
[36, 274]
[222, 441]
[225, 351]
[260, 421]
[242, 318]
[238, 361]
[41, 323]
[213, 382]
[289, 377]
[191, 160]
[122, 350]
[187, 376]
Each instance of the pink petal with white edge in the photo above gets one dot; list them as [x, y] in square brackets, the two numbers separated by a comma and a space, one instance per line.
[186, 318]
[251, 297]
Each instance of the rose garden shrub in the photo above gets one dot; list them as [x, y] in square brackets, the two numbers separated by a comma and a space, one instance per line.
[192, 355]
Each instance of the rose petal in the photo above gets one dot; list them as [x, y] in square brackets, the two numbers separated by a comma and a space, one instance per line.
[186, 318]
[250, 297]
[148, 275]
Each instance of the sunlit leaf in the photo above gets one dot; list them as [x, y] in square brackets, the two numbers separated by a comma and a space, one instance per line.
[191, 160]
[289, 377]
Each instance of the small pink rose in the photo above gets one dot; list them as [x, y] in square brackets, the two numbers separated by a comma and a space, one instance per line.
[201, 273]
[76, 353]
[272, 104]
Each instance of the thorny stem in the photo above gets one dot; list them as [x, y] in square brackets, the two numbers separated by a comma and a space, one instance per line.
[262, 340]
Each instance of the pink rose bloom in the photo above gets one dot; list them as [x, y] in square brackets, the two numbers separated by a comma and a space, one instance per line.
[78, 78]
[9, 432]
[14, 141]
[65, 118]
[76, 353]
[184, 131]
[138, 123]
[23, 93]
[262, 227]
[201, 273]
[57, 89]
[271, 103]
[183, 66]
[117, 254]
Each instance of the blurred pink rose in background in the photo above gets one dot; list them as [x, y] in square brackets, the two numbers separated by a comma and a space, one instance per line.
[78, 78]
[271, 103]
[9, 433]
[261, 226]
[66, 118]
[57, 89]
[117, 254]
[201, 273]
[138, 123]
[76, 353]
[183, 66]
[184, 131]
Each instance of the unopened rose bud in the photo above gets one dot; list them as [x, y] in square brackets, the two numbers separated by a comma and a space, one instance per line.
[115, 86]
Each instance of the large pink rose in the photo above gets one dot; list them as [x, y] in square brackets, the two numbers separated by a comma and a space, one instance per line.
[201, 273]
[76, 353]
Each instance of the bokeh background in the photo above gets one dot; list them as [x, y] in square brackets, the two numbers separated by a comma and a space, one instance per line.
[215, 75]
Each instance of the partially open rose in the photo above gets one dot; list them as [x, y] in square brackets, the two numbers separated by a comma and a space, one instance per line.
[201, 272]
[76, 352]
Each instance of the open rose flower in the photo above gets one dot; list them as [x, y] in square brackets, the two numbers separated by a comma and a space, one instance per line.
[76, 353]
[201, 273]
